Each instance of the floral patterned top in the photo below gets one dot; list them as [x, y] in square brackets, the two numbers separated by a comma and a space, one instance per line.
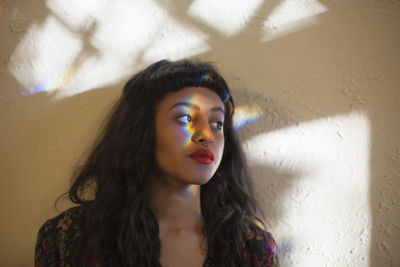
[57, 237]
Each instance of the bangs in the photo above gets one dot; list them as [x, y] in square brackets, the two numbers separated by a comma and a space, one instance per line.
[174, 76]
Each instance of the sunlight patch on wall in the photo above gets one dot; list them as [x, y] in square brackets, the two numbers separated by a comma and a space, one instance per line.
[44, 57]
[228, 17]
[76, 13]
[291, 16]
[324, 202]
[83, 46]
[80, 47]
[175, 42]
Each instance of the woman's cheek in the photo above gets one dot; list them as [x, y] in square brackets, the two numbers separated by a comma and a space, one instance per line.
[184, 136]
[220, 148]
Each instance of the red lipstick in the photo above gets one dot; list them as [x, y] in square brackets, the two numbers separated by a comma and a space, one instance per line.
[203, 156]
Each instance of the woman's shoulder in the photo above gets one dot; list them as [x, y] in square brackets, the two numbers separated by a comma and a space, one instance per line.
[57, 236]
[260, 247]
[65, 221]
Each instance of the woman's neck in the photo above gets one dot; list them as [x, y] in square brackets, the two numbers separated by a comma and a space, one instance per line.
[176, 206]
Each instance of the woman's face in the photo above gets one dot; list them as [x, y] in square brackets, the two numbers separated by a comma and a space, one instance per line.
[189, 136]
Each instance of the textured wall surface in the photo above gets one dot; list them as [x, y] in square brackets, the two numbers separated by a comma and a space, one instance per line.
[317, 88]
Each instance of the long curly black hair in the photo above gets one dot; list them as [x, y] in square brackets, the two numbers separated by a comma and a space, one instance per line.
[119, 226]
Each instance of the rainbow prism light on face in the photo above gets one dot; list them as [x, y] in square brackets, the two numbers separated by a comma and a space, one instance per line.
[189, 128]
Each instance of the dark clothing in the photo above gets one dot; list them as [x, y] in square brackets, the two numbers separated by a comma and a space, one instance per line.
[58, 236]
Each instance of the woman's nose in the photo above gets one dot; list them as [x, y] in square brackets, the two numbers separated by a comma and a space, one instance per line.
[203, 133]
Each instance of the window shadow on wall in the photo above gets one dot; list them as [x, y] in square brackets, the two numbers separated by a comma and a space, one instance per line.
[42, 128]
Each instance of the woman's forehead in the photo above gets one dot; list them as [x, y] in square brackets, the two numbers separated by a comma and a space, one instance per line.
[192, 97]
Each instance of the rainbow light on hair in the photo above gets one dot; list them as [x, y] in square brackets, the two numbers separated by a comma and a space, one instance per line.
[226, 96]
[205, 77]
[57, 81]
[259, 224]
[245, 115]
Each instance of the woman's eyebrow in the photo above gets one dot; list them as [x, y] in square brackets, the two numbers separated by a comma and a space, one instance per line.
[194, 106]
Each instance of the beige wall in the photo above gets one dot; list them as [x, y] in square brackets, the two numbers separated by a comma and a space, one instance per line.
[322, 76]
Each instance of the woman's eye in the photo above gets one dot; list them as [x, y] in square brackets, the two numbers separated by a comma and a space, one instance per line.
[218, 125]
[185, 119]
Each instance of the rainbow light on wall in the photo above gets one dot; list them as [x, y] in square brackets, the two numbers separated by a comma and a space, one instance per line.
[245, 115]
[53, 82]
[284, 244]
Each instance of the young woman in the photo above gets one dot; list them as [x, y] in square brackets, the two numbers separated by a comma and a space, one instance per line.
[166, 184]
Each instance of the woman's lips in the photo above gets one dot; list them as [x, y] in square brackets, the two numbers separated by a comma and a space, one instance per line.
[202, 160]
[203, 156]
